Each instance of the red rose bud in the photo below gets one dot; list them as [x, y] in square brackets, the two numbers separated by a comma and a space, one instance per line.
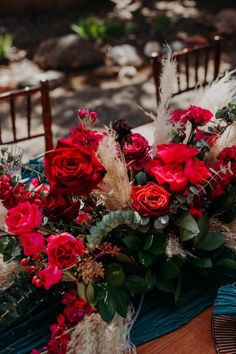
[83, 113]
[38, 283]
[93, 117]
[37, 256]
[24, 262]
[83, 218]
[31, 270]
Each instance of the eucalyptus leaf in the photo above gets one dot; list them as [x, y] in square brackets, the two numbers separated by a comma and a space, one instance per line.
[211, 241]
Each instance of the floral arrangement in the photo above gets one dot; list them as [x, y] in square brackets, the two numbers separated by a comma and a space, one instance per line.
[112, 217]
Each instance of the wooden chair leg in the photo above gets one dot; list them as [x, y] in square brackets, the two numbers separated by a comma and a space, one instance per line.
[47, 117]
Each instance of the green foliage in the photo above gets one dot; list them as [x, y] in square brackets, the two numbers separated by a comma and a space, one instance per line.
[9, 247]
[228, 114]
[92, 28]
[6, 41]
[188, 227]
[211, 241]
[115, 274]
[163, 23]
[111, 221]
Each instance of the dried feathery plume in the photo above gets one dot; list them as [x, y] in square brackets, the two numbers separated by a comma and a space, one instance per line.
[217, 94]
[95, 336]
[163, 128]
[6, 270]
[174, 248]
[228, 230]
[115, 189]
[227, 139]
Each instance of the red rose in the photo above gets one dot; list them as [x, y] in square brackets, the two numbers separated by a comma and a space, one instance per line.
[73, 170]
[61, 206]
[196, 172]
[199, 116]
[210, 139]
[50, 276]
[176, 153]
[63, 250]
[226, 155]
[150, 200]
[179, 116]
[137, 151]
[82, 137]
[23, 218]
[172, 174]
[32, 243]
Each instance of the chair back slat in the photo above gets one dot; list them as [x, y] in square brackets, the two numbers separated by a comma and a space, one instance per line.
[206, 64]
[13, 116]
[193, 67]
[43, 90]
[28, 114]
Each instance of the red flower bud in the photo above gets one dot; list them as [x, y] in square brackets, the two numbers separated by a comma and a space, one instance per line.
[31, 270]
[93, 116]
[83, 113]
[24, 262]
[38, 283]
[34, 279]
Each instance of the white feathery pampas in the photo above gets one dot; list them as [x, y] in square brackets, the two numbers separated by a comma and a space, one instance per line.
[227, 139]
[217, 94]
[6, 270]
[115, 189]
[163, 128]
[95, 336]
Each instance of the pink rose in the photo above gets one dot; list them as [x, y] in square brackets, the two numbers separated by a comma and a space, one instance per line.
[50, 276]
[23, 218]
[63, 250]
[32, 243]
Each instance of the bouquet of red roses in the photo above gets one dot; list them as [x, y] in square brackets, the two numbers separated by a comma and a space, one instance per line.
[113, 217]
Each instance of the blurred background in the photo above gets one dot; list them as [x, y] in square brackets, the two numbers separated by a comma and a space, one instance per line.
[96, 54]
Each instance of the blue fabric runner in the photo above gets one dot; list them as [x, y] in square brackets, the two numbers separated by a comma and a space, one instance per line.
[225, 303]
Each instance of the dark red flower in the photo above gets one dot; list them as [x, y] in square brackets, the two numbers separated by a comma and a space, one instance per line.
[137, 151]
[73, 170]
[58, 205]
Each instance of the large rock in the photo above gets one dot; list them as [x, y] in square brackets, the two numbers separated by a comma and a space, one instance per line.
[126, 54]
[225, 21]
[55, 78]
[67, 53]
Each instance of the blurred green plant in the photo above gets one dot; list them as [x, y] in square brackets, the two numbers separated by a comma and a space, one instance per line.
[92, 28]
[163, 23]
[6, 41]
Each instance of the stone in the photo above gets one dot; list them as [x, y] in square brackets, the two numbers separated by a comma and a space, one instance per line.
[106, 71]
[151, 47]
[225, 21]
[55, 78]
[125, 55]
[127, 72]
[67, 53]
[177, 45]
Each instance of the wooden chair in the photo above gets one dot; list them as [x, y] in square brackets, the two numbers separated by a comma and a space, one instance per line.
[191, 59]
[27, 92]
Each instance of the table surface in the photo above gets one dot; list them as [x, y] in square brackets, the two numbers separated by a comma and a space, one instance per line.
[193, 338]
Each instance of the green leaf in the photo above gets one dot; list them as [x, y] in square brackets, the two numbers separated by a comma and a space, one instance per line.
[141, 178]
[226, 263]
[157, 247]
[178, 290]
[81, 290]
[106, 305]
[203, 225]
[201, 262]
[132, 241]
[120, 297]
[145, 258]
[123, 258]
[211, 241]
[115, 274]
[151, 278]
[148, 242]
[188, 227]
[165, 285]
[169, 269]
[90, 293]
[136, 284]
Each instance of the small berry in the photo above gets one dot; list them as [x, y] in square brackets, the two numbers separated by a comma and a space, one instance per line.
[36, 257]
[38, 283]
[31, 270]
[24, 262]
[34, 279]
